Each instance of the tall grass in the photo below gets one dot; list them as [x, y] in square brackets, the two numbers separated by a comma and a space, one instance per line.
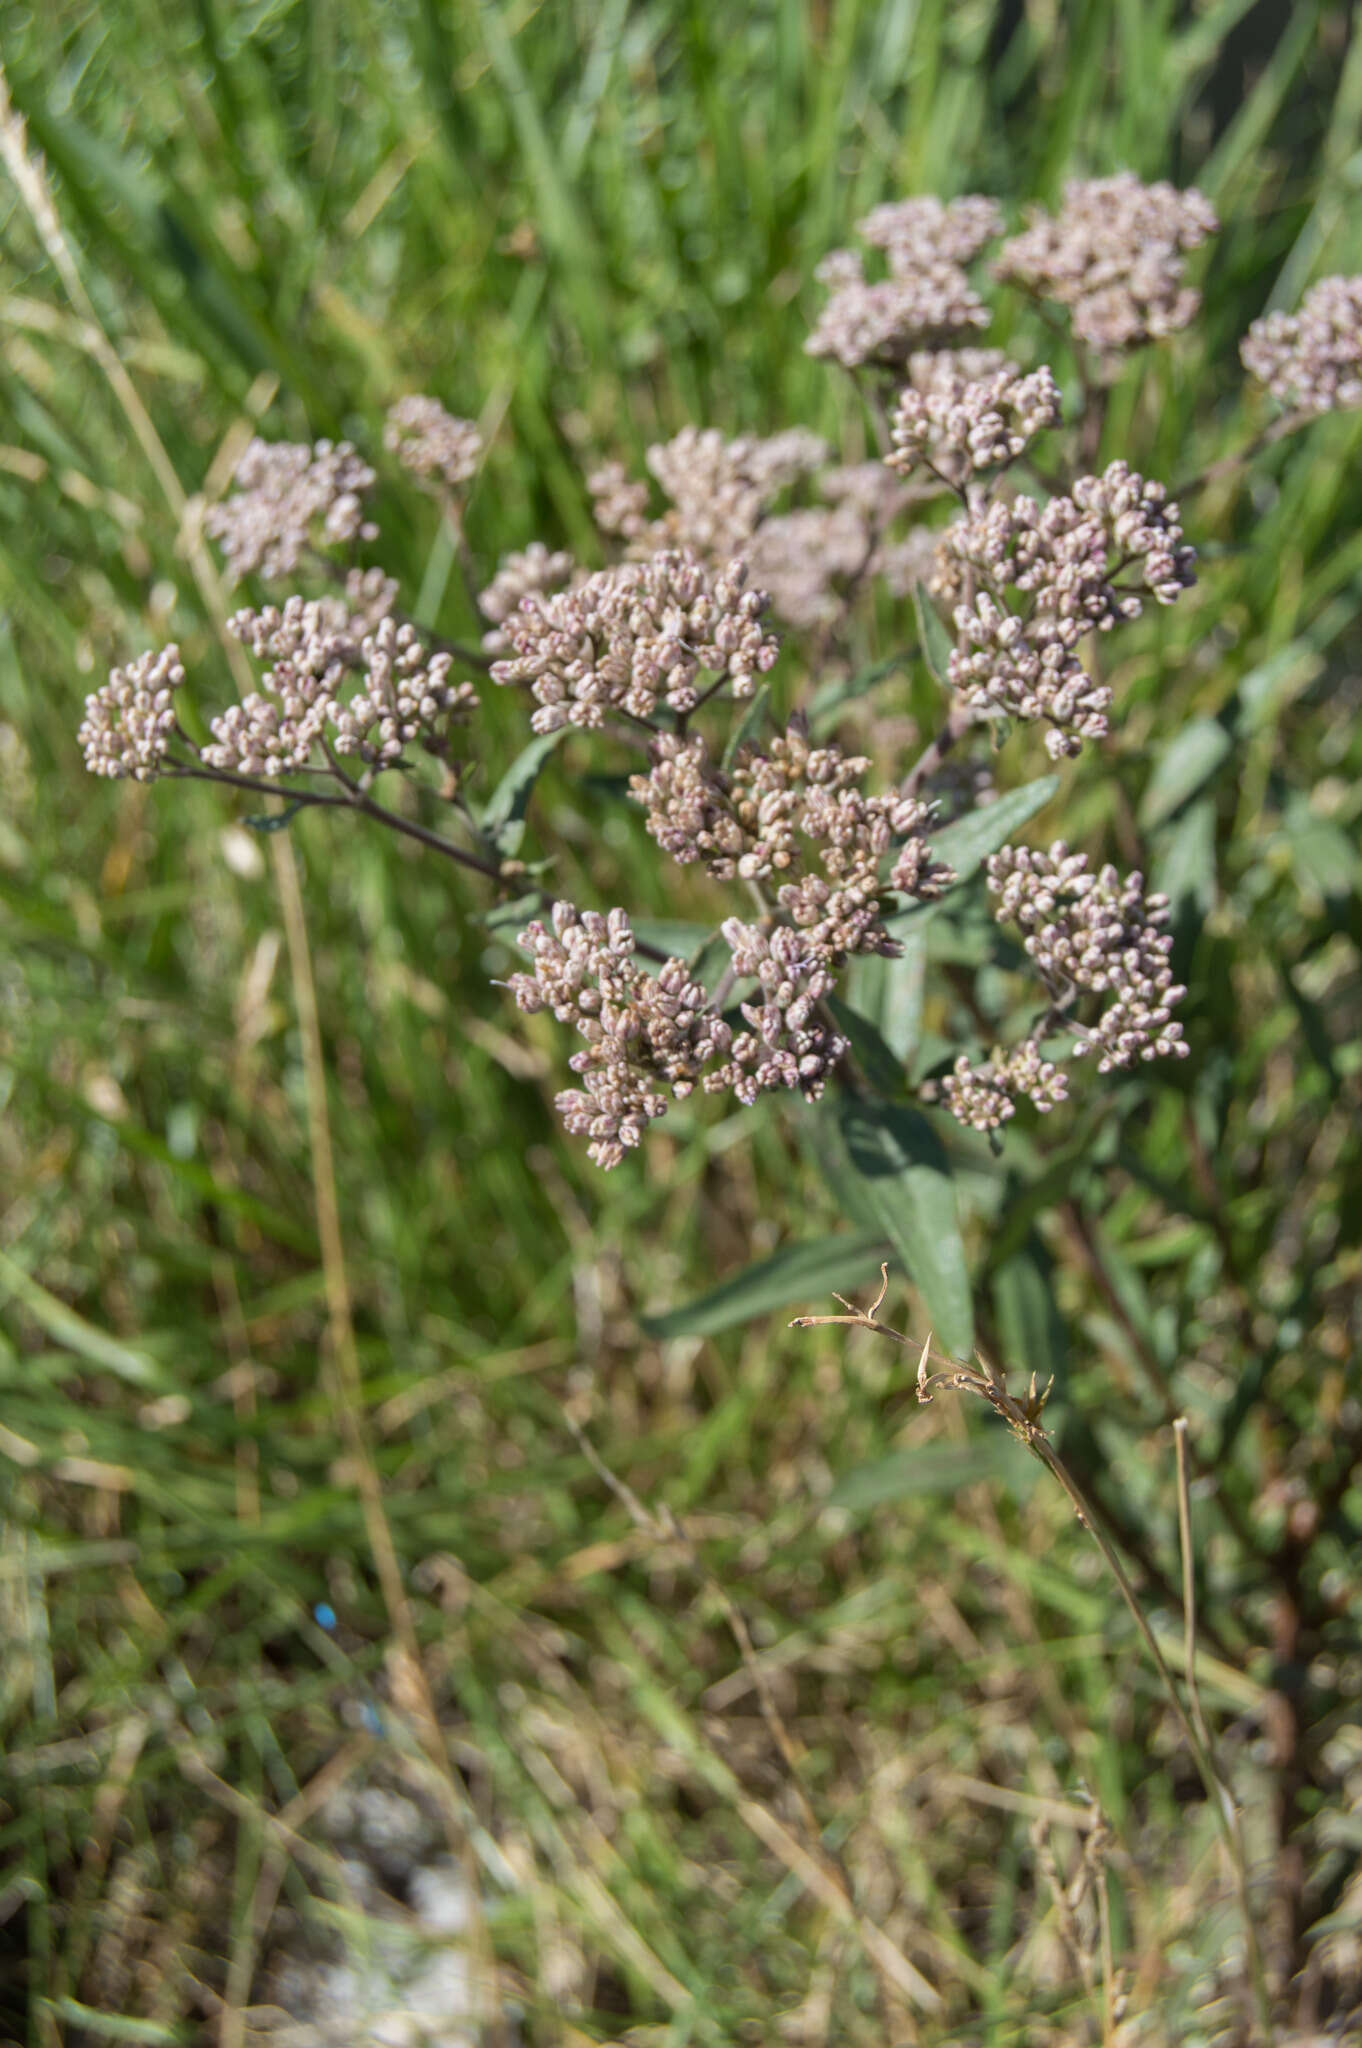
[588, 225]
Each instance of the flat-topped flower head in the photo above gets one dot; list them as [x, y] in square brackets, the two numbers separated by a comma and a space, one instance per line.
[961, 423]
[926, 301]
[129, 721]
[719, 490]
[631, 638]
[287, 497]
[1045, 576]
[985, 1097]
[930, 230]
[430, 442]
[1095, 934]
[1311, 361]
[1114, 256]
[795, 815]
[788, 1042]
[315, 648]
[643, 1032]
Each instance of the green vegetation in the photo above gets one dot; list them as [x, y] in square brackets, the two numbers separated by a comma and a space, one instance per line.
[248, 1374]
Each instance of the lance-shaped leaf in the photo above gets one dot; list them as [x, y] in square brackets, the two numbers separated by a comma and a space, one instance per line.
[970, 840]
[936, 640]
[806, 1274]
[503, 816]
[901, 1168]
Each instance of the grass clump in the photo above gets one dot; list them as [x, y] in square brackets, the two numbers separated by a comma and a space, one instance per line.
[397, 1509]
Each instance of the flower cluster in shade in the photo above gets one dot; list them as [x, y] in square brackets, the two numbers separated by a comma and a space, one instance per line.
[1114, 256]
[925, 301]
[1033, 580]
[397, 690]
[986, 1096]
[1311, 361]
[130, 721]
[968, 410]
[431, 443]
[1087, 934]
[286, 498]
[636, 636]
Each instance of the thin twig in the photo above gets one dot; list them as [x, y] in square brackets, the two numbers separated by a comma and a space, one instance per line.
[1188, 1577]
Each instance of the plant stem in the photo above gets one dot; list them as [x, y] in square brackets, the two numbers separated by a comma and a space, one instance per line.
[349, 797]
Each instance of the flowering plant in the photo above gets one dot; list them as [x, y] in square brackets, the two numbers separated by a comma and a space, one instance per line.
[830, 863]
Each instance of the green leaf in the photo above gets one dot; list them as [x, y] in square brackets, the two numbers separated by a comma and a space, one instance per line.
[1322, 855]
[1031, 1329]
[503, 816]
[970, 840]
[673, 936]
[803, 1273]
[830, 698]
[1184, 766]
[73, 1333]
[1185, 868]
[901, 998]
[881, 1069]
[934, 1468]
[506, 919]
[936, 641]
[901, 1166]
[276, 821]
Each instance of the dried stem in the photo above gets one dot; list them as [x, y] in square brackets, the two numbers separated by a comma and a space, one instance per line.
[1023, 1418]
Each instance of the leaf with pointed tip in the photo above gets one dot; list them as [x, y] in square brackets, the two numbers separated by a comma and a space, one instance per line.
[749, 725]
[804, 1274]
[276, 821]
[936, 640]
[503, 816]
[968, 842]
[902, 1170]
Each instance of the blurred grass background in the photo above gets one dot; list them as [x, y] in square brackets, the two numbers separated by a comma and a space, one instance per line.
[586, 225]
